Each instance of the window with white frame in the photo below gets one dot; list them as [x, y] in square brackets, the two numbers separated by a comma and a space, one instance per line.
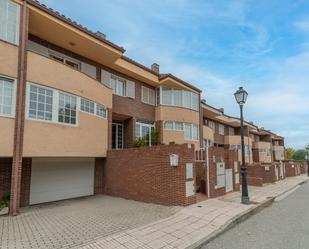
[191, 131]
[179, 97]
[118, 85]
[65, 60]
[67, 109]
[9, 21]
[148, 95]
[208, 143]
[40, 103]
[87, 105]
[221, 129]
[6, 96]
[143, 130]
[101, 111]
[211, 124]
[231, 131]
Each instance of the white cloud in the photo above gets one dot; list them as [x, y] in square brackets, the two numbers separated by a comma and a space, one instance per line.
[303, 24]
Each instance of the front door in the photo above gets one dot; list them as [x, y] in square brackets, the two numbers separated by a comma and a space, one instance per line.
[228, 180]
[117, 135]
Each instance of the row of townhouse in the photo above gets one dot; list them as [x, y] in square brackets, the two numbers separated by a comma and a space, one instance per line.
[72, 106]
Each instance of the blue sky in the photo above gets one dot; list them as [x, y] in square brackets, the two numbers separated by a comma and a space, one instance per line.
[218, 46]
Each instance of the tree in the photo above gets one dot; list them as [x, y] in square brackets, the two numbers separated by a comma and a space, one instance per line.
[290, 153]
[300, 155]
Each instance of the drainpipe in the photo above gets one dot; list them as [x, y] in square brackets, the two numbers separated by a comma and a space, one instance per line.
[207, 165]
[20, 111]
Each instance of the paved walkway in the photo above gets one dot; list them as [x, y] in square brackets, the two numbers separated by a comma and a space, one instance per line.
[68, 224]
[191, 225]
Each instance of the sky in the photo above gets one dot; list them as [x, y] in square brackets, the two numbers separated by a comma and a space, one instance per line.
[218, 46]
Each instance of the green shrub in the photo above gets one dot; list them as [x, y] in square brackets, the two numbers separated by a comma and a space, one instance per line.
[172, 142]
[140, 142]
[154, 137]
[4, 201]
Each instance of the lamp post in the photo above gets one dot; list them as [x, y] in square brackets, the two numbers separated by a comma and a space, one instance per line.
[307, 149]
[241, 97]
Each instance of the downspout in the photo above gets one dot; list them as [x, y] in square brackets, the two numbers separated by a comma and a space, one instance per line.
[207, 166]
[20, 111]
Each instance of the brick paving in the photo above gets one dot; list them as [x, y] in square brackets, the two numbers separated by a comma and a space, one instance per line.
[191, 225]
[107, 222]
[71, 223]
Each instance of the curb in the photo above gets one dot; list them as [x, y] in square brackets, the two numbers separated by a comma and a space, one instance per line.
[240, 218]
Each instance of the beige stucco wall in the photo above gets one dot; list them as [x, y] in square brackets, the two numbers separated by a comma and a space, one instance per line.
[179, 114]
[208, 133]
[89, 139]
[278, 148]
[45, 71]
[178, 138]
[8, 59]
[236, 140]
[7, 136]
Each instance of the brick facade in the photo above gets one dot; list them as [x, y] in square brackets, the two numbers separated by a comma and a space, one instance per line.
[292, 169]
[99, 176]
[259, 174]
[5, 176]
[216, 155]
[145, 174]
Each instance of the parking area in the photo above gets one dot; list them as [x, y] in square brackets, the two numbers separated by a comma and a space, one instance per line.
[71, 223]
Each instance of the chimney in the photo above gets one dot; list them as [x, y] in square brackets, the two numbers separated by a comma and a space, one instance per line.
[203, 101]
[221, 110]
[155, 67]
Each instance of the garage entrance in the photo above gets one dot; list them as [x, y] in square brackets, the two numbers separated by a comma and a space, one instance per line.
[54, 179]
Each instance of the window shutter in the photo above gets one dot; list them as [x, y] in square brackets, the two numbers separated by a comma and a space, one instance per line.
[105, 77]
[89, 70]
[130, 89]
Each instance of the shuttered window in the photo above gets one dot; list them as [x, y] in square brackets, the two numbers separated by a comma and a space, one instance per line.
[9, 21]
[148, 95]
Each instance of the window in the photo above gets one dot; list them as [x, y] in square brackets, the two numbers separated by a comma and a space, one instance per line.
[167, 96]
[231, 131]
[211, 124]
[195, 101]
[177, 97]
[169, 125]
[67, 109]
[65, 60]
[221, 129]
[178, 126]
[143, 130]
[208, 143]
[247, 150]
[235, 146]
[187, 99]
[101, 111]
[191, 131]
[6, 96]
[9, 21]
[148, 95]
[118, 85]
[87, 106]
[40, 103]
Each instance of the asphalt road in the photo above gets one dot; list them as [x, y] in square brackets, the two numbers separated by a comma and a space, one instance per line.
[283, 225]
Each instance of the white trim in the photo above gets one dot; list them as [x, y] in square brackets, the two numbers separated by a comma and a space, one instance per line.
[122, 135]
[13, 103]
[141, 124]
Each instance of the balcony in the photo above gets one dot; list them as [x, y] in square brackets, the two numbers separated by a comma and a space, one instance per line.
[179, 114]
[236, 140]
[208, 133]
[260, 144]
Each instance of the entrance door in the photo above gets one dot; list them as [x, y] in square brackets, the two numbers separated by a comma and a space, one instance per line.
[228, 180]
[117, 135]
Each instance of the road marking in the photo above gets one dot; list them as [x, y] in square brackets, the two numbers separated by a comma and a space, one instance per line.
[286, 194]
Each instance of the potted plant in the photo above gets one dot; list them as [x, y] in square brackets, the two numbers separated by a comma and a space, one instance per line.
[4, 204]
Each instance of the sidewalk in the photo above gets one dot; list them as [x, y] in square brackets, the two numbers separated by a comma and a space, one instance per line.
[198, 223]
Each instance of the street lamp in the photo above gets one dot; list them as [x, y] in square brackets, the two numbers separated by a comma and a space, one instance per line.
[307, 149]
[241, 97]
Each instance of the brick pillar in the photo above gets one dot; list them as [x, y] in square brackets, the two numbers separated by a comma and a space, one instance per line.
[109, 129]
[99, 176]
[20, 111]
[129, 132]
[159, 127]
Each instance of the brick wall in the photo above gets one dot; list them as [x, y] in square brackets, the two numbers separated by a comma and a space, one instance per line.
[303, 167]
[5, 179]
[229, 157]
[99, 176]
[145, 174]
[292, 169]
[255, 155]
[5, 176]
[263, 173]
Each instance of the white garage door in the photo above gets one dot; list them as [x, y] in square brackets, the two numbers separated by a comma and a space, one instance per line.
[54, 179]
